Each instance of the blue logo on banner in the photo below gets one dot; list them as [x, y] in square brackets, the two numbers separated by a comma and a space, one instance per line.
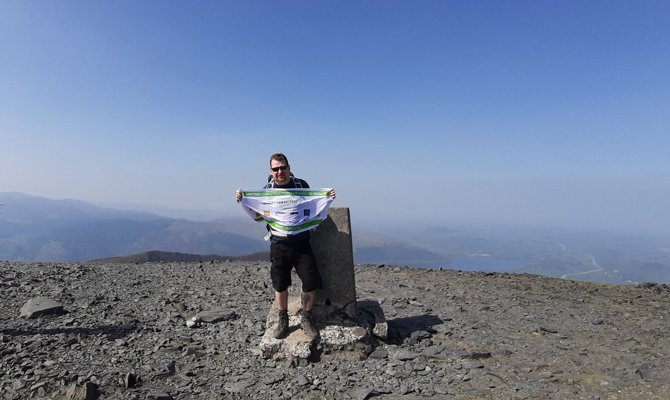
[306, 212]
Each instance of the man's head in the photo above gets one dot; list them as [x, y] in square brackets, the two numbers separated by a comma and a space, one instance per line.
[280, 168]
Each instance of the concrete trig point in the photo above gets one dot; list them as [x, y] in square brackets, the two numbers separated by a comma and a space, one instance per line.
[343, 322]
[333, 249]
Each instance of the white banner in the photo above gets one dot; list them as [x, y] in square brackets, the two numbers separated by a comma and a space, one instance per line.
[287, 211]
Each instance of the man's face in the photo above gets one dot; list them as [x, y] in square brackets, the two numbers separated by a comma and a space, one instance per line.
[280, 171]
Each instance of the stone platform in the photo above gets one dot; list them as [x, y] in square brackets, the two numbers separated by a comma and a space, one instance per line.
[338, 331]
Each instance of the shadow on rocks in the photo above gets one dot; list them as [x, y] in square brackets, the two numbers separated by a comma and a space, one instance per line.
[112, 332]
[400, 329]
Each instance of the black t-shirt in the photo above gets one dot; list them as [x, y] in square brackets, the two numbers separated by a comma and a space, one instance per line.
[290, 185]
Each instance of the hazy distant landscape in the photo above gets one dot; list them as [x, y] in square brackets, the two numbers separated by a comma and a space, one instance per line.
[40, 229]
[561, 253]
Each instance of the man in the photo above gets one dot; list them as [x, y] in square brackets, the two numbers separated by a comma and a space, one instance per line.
[288, 252]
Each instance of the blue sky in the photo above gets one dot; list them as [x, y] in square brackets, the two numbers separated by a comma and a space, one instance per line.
[539, 112]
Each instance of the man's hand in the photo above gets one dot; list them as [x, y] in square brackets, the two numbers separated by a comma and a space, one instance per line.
[332, 193]
[238, 196]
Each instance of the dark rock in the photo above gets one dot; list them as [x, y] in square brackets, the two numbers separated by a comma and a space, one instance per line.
[420, 335]
[130, 380]
[477, 355]
[644, 371]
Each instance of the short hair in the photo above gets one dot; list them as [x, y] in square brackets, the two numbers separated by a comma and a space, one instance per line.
[279, 157]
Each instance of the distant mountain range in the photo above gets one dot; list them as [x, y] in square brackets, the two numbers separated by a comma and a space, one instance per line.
[166, 256]
[374, 248]
[40, 229]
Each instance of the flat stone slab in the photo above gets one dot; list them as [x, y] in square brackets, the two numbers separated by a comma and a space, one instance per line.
[39, 306]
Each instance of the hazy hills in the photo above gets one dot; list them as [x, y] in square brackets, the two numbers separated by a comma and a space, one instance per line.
[374, 248]
[556, 252]
[166, 256]
[40, 229]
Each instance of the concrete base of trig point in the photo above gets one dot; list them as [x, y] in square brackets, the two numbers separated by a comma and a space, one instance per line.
[344, 323]
[338, 332]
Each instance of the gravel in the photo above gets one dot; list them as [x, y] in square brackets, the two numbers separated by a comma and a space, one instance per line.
[118, 331]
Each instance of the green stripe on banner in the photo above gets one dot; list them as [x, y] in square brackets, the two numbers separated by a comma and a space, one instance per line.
[300, 193]
[294, 228]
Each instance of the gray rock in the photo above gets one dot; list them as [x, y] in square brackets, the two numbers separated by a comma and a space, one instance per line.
[210, 317]
[405, 355]
[302, 381]
[86, 391]
[379, 354]
[644, 371]
[239, 386]
[159, 396]
[39, 306]
[18, 384]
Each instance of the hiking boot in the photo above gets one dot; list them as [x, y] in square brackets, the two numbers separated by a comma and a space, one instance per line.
[307, 325]
[282, 325]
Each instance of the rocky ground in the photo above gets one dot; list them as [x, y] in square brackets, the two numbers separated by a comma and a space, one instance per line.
[453, 335]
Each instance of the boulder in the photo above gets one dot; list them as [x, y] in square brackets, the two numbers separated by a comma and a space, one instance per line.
[39, 306]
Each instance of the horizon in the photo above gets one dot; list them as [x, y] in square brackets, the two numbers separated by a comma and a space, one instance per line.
[42, 229]
[402, 230]
[524, 113]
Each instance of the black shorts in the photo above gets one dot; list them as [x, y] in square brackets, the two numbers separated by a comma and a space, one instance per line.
[285, 256]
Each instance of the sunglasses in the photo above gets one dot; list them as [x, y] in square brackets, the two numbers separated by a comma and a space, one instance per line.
[282, 167]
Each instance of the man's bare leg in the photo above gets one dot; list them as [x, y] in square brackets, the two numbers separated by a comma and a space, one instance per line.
[306, 323]
[307, 300]
[282, 300]
[282, 323]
